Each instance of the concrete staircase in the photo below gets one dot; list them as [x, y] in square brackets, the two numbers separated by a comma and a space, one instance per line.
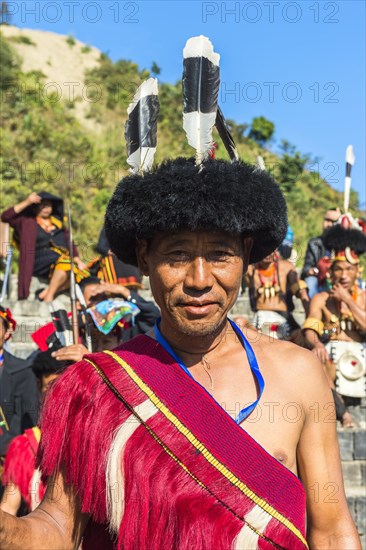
[31, 314]
[352, 445]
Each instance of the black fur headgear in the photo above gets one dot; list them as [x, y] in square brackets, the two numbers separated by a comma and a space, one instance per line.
[338, 239]
[178, 195]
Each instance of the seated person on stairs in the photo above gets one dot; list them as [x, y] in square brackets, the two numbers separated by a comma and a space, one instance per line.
[272, 284]
[335, 329]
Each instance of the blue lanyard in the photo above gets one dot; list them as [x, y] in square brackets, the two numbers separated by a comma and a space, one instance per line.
[253, 363]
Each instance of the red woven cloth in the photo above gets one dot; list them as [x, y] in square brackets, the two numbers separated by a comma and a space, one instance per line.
[188, 482]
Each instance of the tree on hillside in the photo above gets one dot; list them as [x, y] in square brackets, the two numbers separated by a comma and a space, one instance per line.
[4, 14]
[261, 130]
[9, 64]
[155, 69]
[291, 165]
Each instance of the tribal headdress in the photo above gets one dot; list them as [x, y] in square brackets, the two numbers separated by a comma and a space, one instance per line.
[345, 244]
[6, 315]
[199, 193]
[347, 238]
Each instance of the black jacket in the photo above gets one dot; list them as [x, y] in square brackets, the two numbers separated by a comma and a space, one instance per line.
[314, 252]
[19, 399]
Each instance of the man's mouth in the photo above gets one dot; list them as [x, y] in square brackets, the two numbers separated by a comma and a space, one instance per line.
[198, 307]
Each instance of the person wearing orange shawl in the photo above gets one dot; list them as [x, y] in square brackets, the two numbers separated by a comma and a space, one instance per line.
[194, 435]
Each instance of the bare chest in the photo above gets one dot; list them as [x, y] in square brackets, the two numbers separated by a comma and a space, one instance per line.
[270, 291]
[277, 420]
[339, 321]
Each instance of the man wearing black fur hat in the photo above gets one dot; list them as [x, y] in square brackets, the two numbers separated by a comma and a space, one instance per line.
[336, 327]
[170, 443]
[176, 405]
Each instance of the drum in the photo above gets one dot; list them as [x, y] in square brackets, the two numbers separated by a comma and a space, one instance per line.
[272, 324]
[350, 362]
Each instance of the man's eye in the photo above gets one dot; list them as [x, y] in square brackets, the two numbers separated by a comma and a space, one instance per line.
[179, 255]
[218, 255]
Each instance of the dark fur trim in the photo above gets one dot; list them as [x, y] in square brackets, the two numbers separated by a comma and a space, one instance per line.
[236, 198]
[44, 364]
[338, 238]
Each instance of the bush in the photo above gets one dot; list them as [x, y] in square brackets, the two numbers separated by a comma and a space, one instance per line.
[21, 39]
[71, 41]
[86, 49]
[10, 65]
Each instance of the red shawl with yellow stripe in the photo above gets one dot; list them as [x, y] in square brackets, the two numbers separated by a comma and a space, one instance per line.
[158, 461]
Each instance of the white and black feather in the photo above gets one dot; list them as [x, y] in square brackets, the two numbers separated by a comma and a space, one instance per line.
[201, 82]
[350, 160]
[225, 135]
[141, 127]
[260, 163]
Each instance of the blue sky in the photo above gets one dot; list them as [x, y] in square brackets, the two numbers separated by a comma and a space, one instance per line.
[300, 64]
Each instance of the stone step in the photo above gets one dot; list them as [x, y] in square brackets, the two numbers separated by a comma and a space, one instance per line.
[354, 474]
[22, 350]
[31, 308]
[26, 326]
[352, 444]
[356, 499]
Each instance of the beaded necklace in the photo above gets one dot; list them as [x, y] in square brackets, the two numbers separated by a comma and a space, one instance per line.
[268, 288]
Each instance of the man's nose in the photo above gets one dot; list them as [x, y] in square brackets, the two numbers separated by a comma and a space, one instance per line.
[199, 275]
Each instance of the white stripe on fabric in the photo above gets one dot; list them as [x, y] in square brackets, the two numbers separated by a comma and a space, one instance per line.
[115, 474]
[247, 539]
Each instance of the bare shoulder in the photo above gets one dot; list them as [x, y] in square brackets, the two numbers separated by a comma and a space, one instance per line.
[320, 298]
[288, 365]
[286, 266]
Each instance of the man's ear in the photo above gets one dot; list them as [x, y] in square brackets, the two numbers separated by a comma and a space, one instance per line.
[142, 257]
[247, 248]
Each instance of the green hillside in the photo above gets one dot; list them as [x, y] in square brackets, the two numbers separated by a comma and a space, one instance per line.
[45, 146]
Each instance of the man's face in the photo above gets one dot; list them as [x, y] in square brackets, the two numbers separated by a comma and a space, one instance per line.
[344, 273]
[4, 332]
[90, 298]
[194, 277]
[330, 217]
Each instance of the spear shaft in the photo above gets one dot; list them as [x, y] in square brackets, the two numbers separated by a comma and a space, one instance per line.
[74, 311]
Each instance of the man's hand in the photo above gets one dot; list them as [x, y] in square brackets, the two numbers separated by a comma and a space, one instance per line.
[109, 288]
[340, 293]
[75, 353]
[320, 351]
